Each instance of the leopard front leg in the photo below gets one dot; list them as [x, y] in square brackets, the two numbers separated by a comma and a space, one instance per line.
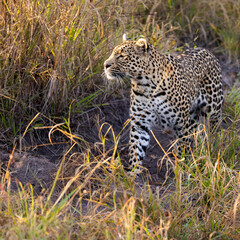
[183, 130]
[138, 143]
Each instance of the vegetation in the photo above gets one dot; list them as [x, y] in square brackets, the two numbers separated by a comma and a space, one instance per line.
[51, 64]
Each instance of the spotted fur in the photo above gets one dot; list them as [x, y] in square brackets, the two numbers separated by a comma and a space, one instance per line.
[165, 90]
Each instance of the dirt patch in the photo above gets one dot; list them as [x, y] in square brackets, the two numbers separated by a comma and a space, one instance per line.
[28, 169]
[38, 166]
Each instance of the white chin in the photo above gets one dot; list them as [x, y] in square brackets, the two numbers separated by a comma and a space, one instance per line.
[109, 76]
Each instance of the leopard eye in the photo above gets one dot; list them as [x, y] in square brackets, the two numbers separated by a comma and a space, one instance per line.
[122, 57]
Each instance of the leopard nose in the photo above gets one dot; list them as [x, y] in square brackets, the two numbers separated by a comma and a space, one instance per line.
[107, 65]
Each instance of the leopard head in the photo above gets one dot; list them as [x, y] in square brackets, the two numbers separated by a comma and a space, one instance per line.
[129, 59]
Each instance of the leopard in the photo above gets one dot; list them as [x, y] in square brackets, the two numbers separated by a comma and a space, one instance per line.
[171, 91]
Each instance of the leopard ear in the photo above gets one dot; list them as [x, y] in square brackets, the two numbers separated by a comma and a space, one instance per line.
[125, 37]
[142, 47]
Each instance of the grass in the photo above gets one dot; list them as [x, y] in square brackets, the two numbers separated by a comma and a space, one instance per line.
[51, 62]
[52, 52]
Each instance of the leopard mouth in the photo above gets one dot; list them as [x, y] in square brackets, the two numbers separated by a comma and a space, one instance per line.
[114, 74]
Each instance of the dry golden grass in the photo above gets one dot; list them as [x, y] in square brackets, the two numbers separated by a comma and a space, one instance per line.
[52, 52]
